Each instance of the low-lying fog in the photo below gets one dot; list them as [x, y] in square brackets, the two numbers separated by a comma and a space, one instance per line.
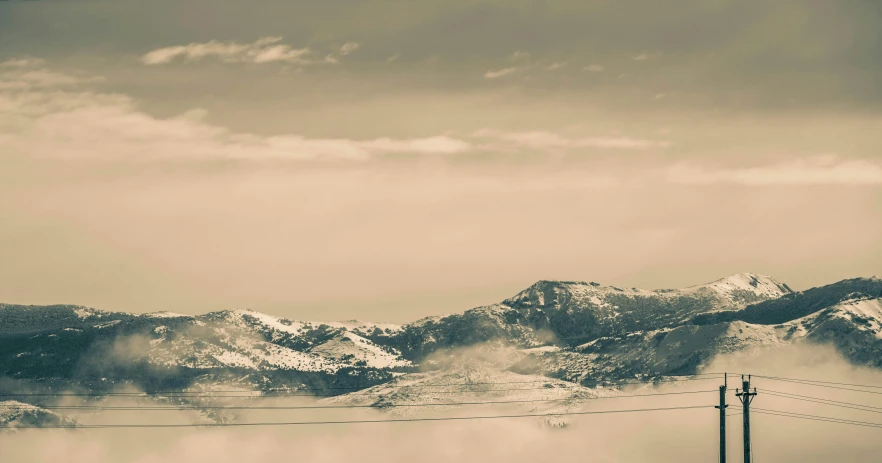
[657, 436]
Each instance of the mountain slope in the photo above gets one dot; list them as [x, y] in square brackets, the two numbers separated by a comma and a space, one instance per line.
[571, 331]
[15, 414]
[853, 326]
[572, 313]
[795, 305]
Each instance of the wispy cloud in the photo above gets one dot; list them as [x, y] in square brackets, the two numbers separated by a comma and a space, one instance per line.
[827, 169]
[594, 68]
[542, 140]
[24, 74]
[22, 62]
[51, 114]
[349, 47]
[53, 119]
[495, 74]
[441, 144]
[645, 56]
[264, 50]
[521, 61]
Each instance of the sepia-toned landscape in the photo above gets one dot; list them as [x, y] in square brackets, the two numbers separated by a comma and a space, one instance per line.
[385, 231]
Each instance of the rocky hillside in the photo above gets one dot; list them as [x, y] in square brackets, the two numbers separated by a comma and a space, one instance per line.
[573, 331]
[15, 414]
[92, 349]
[570, 313]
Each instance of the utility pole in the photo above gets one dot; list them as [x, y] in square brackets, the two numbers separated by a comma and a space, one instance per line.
[722, 408]
[746, 397]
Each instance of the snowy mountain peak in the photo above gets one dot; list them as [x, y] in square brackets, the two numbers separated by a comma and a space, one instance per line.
[740, 285]
[737, 289]
[552, 292]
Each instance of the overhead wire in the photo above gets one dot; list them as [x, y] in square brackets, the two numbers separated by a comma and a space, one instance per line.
[772, 412]
[310, 392]
[816, 417]
[324, 407]
[820, 400]
[392, 420]
[828, 386]
[820, 382]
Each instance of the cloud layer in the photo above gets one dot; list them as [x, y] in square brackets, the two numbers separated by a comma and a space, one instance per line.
[544, 141]
[47, 113]
[671, 436]
[827, 169]
[59, 115]
[263, 50]
[50, 114]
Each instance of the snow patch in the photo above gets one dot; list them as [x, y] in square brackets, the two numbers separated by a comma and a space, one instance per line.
[166, 314]
[269, 321]
[234, 359]
[367, 327]
[761, 285]
[352, 348]
[107, 324]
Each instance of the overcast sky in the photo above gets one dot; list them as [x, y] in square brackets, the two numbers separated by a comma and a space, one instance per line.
[388, 160]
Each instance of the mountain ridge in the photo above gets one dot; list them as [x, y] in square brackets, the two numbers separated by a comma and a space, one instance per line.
[568, 330]
[80, 310]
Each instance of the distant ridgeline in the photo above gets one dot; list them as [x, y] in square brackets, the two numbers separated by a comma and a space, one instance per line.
[577, 331]
[797, 305]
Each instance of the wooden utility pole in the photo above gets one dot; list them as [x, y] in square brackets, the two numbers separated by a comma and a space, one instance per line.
[722, 408]
[746, 397]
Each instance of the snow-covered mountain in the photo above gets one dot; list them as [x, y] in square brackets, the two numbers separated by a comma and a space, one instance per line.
[91, 349]
[571, 313]
[15, 414]
[561, 331]
[744, 288]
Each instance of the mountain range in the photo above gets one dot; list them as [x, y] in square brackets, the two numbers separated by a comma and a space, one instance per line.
[560, 332]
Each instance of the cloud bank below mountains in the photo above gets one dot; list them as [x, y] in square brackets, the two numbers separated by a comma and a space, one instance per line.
[659, 436]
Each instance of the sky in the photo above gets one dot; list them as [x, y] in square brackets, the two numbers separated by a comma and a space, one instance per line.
[390, 160]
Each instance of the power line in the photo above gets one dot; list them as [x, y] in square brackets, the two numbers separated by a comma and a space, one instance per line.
[264, 395]
[394, 420]
[820, 382]
[821, 419]
[305, 391]
[818, 400]
[676, 378]
[805, 383]
[787, 414]
[291, 394]
[312, 407]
